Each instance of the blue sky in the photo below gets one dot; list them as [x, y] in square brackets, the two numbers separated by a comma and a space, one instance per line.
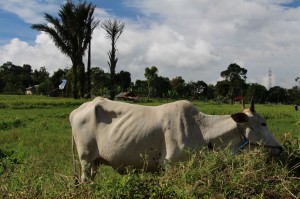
[291, 4]
[195, 39]
[13, 26]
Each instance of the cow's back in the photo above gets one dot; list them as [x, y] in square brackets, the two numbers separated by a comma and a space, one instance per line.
[123, 134]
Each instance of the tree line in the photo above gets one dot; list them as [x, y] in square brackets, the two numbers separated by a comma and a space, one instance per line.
[15, 79]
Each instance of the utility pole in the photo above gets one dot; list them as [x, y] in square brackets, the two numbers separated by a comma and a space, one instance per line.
[270, 78]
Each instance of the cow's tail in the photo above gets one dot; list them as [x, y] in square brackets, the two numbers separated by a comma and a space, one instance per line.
[76, 177]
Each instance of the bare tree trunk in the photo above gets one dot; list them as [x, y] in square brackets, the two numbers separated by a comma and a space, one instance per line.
[75, 81]
[112, 64]
[89, 72]
[81, 80]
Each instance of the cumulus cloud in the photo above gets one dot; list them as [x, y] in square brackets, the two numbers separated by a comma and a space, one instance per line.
[43, 53]
[193, 39]
[31, 11]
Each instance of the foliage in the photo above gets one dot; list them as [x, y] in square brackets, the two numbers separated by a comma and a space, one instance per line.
[234, 72]
[277, 94]
[99, 81]
[222, 88]
[141, 87]
[178, 87]
[40, 75]
[236, 78]
[11, 82]
[162, 86]
[151, 76]
[197, 90]
[71, 33]
[260, 92]
[123, 79]
[15, 78]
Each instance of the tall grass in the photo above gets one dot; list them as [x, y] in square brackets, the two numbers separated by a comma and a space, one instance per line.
[36, 162]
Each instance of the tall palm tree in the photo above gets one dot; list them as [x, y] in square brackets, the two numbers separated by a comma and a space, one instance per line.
[113, 29]
[71, 33]
[89, 86]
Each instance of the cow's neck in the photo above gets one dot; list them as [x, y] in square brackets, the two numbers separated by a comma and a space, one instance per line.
[220, 130]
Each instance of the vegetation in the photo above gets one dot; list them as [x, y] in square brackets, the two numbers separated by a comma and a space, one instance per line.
[72, 33]
[14, 79]
[151, 76]
[36, 161]
[235, 78]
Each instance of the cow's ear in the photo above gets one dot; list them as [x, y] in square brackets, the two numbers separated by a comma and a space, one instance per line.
[240, 117]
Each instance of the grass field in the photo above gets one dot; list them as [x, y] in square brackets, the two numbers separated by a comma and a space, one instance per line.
[36, 161]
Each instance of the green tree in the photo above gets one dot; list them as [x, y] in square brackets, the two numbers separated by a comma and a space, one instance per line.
[178, 87]
[141, 87]
[123, 79]
[198, 90]
[210, 92]
[236, 76]
[294, 95]
[40, 75]
[297, 79]
[258, 91]
[113, 29]
[150, 74]
[92, 23]
[277, 95]
[71, 33]
[2, 82]
[100, 81]
[15, 78]
[26, 75]
[222, 89]
[45, 87]
[162, 86]
[56, 80]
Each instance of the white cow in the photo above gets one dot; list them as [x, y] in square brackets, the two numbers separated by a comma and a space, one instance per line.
[122, 135]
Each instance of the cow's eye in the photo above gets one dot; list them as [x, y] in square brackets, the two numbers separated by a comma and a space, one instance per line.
[263, 124]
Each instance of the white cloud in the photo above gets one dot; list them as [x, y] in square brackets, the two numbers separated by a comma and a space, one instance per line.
[193, 39]
[31, 11]
[43, 53]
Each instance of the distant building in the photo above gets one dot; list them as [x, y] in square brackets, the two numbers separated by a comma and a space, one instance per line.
[130, 96]
[31, 90]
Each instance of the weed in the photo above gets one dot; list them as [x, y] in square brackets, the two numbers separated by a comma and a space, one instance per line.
[8, 161]
[15, 123]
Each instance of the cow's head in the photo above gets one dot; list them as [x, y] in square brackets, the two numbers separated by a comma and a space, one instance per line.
[257, 131]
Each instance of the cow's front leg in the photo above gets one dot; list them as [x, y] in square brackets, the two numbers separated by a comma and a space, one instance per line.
[94, 168]
[86, 169]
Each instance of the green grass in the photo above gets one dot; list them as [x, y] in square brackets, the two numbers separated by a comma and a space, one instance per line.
[36, 161]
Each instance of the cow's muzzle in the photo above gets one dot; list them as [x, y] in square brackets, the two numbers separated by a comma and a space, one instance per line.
[276, 150]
